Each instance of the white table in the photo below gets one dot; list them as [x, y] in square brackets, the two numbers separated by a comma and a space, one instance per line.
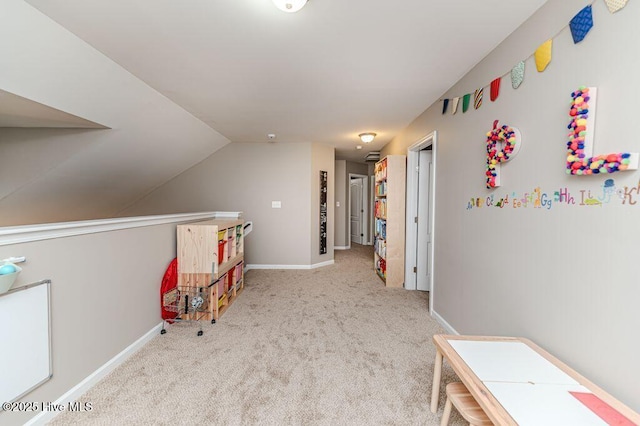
[518, 383]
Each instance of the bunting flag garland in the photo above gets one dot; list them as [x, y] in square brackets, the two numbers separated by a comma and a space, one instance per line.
[517, 75]
[465, 102]
[495, 89]
[542, 55]
[581, 24]
[615, 5]
[454, 105]
[477, 98]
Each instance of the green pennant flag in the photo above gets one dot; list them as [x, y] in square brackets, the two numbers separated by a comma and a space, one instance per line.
[465, 102]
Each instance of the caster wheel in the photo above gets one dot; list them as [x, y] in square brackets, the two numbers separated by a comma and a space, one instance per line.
[200, 333]
[213, 321]
[163, 331]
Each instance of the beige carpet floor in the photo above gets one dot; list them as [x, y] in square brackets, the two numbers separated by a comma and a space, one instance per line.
[328, 346]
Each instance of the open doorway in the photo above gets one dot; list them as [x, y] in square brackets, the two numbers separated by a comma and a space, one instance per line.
[421, 167]
[358, 209]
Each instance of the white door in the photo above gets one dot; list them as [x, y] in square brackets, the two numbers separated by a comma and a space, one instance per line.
[423, 255]
[355, 210]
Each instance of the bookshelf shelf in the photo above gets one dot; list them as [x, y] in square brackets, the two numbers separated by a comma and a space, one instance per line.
[211, 257]
[389, 205]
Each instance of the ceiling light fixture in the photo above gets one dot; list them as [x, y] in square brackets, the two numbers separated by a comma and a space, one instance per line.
[289, 5]
[367, 137]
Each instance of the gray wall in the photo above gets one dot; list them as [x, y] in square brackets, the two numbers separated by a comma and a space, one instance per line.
[357, 168]
[104, 296]
[563, 277]
[247, 177]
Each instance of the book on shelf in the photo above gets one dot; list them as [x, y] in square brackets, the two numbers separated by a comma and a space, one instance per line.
[381, 228]
[380, 208]
[381, 188]
[381, 170]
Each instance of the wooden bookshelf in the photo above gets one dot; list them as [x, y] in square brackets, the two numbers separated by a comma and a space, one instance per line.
[389, 211]
[211, 256]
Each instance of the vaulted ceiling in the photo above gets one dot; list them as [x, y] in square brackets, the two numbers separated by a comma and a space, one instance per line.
[324, 74]
[102, 101]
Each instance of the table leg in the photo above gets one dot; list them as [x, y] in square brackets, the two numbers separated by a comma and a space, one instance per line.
[435, 389]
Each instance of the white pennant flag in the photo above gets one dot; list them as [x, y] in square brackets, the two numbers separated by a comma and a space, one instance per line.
[615, 5]
[454, 105]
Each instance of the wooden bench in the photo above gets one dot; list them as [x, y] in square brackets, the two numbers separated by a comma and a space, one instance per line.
[458, 395]
[514, 381]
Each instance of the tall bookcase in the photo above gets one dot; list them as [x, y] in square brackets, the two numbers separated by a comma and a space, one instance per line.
[389, 211]
[211, 258]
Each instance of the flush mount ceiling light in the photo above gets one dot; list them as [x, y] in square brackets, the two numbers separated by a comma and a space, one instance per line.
[367, 137]
[289, 5]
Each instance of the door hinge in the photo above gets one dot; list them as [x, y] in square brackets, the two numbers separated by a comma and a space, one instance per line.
[415, 269]
[415, 219]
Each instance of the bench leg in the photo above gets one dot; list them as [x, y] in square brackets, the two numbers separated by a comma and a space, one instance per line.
[446, 413]
[435, 390]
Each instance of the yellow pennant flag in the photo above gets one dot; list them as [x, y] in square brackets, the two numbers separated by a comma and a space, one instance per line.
[543, 55]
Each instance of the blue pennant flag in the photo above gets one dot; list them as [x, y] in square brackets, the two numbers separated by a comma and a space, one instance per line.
[581, 24]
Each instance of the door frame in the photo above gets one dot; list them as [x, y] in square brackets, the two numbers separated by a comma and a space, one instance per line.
[372, 207]
[412, 210]
[365, 207]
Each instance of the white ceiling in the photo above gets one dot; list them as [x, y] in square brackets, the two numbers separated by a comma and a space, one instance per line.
[16, 111]
[335, 69]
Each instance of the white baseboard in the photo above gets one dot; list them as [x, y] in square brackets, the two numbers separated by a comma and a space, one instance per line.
[321, 264]
[341, 247]
[82, 387]
[314, 266]
[444, 323]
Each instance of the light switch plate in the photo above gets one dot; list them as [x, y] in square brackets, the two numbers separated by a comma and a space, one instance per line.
[276, 204]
